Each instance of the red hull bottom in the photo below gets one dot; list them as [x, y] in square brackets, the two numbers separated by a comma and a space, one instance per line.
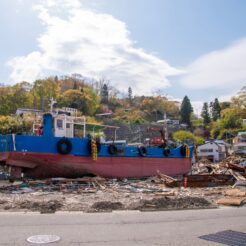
[37, 165]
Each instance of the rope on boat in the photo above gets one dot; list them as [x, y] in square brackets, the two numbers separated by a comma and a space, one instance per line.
[94, 149]
[187, 151]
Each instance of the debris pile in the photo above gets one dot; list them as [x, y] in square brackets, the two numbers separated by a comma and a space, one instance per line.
[232, 165]
[208, 185]
[96, 194]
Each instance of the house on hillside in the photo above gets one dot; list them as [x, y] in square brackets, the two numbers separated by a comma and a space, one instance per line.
[239, 143]
[212, 151]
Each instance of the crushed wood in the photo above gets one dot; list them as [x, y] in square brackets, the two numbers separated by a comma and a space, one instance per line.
[209, 185]
[235, 193]
[230, 201]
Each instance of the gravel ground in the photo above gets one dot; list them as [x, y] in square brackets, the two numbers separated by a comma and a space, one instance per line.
[107, 198]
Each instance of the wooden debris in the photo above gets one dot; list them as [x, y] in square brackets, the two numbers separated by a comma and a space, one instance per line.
[237, 175]
[237, 167]
[165, 177]
[167, 180]
[169, 193]
[230, 201]
[235, 193]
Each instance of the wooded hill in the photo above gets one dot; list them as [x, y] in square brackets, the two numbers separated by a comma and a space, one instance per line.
[88, 98]
[219, 120]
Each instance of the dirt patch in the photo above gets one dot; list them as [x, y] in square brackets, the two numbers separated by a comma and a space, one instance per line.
[50, 206]
[167, 203]
[3, 202]
[106, 206]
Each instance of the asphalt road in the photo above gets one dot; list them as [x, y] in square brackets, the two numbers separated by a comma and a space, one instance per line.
[122, 228]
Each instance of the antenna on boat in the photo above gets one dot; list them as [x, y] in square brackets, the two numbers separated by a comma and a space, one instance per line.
[165, 126]
[52, 102]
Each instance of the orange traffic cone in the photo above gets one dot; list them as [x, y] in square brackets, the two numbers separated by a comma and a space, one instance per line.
[185, 182]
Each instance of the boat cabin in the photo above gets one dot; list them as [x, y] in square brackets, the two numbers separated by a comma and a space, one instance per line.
[66, 123]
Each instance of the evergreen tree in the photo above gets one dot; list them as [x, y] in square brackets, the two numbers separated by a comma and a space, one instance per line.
[211, 105]
[56, 78]
[185, 111]
[205, 114]
[216, 110]
[104, 94]
[130, 95]
[75, 86]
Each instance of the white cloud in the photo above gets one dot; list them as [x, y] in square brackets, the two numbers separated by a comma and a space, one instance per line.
[197, 107]
[227, 97]
[79, 40]
[222, 69]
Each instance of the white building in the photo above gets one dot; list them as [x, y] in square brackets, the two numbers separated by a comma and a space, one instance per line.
[212, 151]
[239, 143]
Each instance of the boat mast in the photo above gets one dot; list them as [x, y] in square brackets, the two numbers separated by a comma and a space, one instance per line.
[165, 127]
[52, 102]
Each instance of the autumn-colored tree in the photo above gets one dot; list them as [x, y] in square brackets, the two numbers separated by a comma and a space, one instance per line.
[14, 97]
[10, 124]
[43, 91]
[155, 107]
[84, 100]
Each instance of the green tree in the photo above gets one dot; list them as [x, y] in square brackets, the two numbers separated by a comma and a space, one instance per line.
[14, 97]
[155, 107]
[130, 95]
[75, 85]
[205, 114]
[14, 124]
[84, 100]
[185, 111]
[186, 136]
[230, 118]
[216, 109]
[104, 93]
[43, 91]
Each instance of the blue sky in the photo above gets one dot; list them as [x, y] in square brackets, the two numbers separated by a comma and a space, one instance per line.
[175, 47]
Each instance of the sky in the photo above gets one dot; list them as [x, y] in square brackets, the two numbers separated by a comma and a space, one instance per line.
[169, 47]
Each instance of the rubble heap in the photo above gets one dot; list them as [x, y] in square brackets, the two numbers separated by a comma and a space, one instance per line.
[209, 185]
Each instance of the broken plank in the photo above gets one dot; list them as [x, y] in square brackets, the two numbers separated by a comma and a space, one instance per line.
[230, 201]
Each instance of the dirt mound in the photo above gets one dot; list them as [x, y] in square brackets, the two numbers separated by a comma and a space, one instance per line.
[170, 203]
[106, 206]
[43, 206]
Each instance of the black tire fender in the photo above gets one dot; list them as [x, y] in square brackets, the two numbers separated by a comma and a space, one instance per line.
[166, 152]
[142, 151]
[183, 150]
[64, 146]
[112, 149]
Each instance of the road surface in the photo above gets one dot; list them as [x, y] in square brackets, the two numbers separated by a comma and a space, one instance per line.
[122, 228]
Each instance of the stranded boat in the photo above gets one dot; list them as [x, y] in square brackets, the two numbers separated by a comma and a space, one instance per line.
[57, 152]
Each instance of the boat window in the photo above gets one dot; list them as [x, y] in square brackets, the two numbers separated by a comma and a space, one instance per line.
[59, 123]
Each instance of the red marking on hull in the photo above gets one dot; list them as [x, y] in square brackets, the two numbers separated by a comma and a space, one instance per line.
[37, 165]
